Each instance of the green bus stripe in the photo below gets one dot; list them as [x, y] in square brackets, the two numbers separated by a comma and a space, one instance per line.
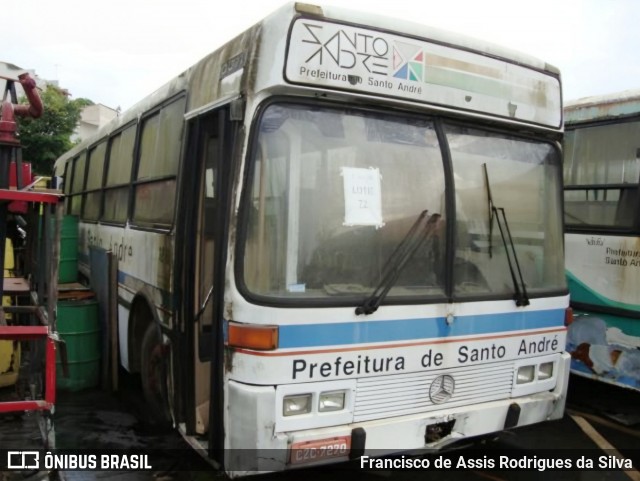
[580, 292]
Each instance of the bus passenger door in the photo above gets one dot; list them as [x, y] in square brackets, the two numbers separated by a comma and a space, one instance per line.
[211, 145]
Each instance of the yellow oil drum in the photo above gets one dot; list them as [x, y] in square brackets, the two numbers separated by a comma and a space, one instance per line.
[9, 349]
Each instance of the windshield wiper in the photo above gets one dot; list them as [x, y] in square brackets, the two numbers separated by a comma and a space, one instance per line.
[420, 231]
[521, 297]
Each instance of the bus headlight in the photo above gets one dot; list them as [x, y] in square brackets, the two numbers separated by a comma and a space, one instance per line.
[314, 405]
[331, 401]
[297, 404]
[545, 371]
[525, 374]
[531, 376]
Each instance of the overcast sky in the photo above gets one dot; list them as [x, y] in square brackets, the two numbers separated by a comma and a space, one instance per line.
[116, 52]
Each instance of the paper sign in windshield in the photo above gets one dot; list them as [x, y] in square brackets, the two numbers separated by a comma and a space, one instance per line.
[362, 197]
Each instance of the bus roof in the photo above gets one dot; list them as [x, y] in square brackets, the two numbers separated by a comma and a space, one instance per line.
[232, 70]
[420, 30]
[603, 107]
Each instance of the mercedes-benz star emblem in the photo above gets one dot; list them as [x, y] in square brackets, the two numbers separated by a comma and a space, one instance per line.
[441, 389]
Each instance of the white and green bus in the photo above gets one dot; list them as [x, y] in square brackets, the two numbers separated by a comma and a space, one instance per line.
[602, 216]
[337, 235]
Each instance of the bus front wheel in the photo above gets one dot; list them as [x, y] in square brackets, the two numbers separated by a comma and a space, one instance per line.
[153, 373]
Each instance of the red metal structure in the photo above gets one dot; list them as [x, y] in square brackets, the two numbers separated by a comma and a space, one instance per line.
[10, 109]
[33, 319]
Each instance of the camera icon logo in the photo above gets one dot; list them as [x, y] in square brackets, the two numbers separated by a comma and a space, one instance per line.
[23, 460]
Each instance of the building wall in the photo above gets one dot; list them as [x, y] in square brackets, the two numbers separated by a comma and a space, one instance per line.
[92, 118]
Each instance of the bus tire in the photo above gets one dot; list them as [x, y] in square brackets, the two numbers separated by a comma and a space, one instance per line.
[153, 376]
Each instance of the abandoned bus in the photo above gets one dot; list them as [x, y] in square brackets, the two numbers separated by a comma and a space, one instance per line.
[336, 235]
[602, 217]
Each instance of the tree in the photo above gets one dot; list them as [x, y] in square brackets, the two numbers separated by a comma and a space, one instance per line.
[46, 138]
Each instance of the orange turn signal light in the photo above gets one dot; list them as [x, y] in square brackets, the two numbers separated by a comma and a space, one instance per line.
[568, 316]
[253, 336]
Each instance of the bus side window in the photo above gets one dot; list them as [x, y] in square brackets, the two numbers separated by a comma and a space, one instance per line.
[155, 184]
[208, 229]
[210, 178]
[77, 185]
[93, 190]
[116, 194]
[627, 205]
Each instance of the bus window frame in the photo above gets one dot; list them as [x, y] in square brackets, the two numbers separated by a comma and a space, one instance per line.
[634, 229]
[156, 110]
[79, 193]
[85, 192]
[133, 124]
[67, 176]
[245, 201]
[440, 120]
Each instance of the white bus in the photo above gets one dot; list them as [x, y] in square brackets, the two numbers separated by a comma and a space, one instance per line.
[602, 216]
[337, 235]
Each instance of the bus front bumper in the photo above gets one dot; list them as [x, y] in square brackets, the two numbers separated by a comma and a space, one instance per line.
[417, 433]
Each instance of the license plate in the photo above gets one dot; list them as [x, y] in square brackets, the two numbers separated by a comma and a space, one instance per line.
[320, 449]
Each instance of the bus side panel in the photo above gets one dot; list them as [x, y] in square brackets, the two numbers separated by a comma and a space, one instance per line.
[144, 261]
[603, 274]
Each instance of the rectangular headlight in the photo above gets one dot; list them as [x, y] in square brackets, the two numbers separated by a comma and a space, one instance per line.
[297, 404]
[545, 371]
[525, 374]
[331, 401]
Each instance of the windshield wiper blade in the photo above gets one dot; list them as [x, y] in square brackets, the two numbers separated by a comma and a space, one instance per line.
[521, 298]
[420, 231]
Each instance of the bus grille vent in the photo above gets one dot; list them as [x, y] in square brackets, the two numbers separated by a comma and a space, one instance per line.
[402, 394]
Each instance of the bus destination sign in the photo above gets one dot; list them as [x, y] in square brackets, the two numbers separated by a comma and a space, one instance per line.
[350, 58]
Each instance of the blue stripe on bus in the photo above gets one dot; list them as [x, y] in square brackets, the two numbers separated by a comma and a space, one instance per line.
[364, 332]
[167, 301]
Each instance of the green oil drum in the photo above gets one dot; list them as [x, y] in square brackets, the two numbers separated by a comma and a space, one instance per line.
[78, 327]
[68, 266]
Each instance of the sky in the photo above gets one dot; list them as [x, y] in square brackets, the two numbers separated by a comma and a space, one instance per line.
[116, 52]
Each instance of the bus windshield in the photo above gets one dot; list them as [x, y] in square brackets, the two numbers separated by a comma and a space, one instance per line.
[525, 181]
[335, 191]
